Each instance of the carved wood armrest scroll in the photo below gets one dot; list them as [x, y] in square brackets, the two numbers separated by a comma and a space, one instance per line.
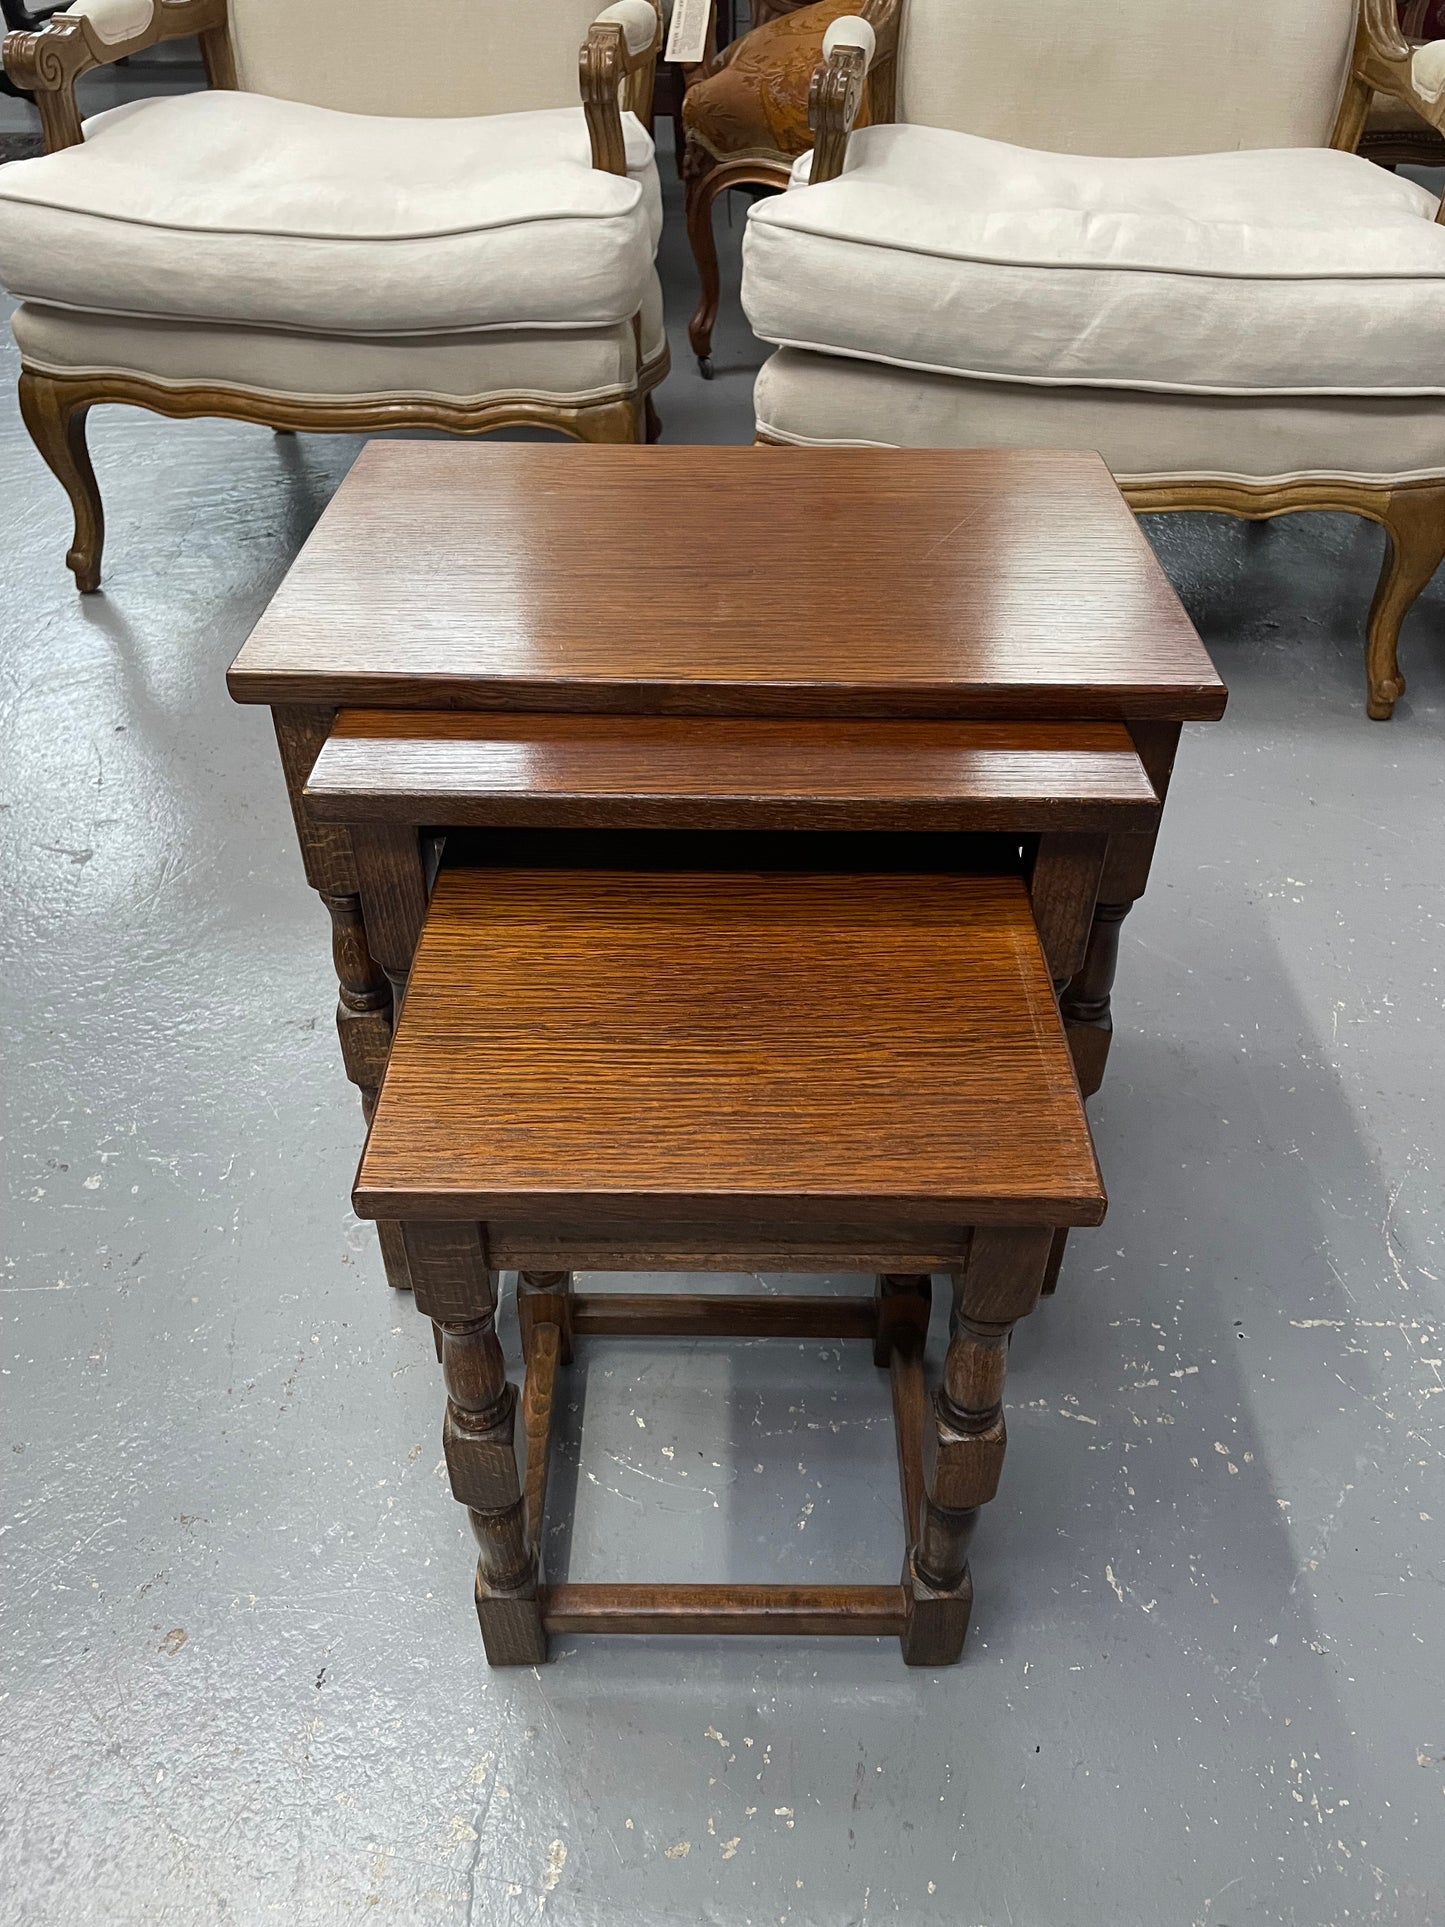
[48, 62]
[852, 48]
[616, 68]
[1386, 62]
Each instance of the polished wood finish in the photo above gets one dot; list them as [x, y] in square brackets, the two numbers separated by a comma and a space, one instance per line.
[877, 1245]
[544, 1355]
[1087, 1000]
[747, 1611]
[1016, 586]
[1063, 889]
[365, 1006]
[617, 1314]
[453, 1288]
[548, 1059]
[999, 1285]
[1412, 515]
[568, 756]
[705, 181]
[391, 878]
[759, 1057]
[721, 773]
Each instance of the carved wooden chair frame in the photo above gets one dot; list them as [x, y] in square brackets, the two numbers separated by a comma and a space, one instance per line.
[1412, 514]
[48, 63]
[705, 178]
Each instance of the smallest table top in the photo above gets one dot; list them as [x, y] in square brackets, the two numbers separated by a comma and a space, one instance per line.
[596, 1049]
[731, 581]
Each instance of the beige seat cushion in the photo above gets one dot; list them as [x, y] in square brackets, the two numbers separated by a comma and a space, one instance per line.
[825, 400]
[574, 365]
[236, 208]
[1291, 271]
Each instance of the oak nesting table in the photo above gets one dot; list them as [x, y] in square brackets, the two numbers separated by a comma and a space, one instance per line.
[940, 694]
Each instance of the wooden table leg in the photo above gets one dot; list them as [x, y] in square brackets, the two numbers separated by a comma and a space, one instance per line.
[453, 1286]
[1086, 1000]
[391, 878]
[545, 1298]
[1001, 1281]
[1086, 1003]
[364, 1010]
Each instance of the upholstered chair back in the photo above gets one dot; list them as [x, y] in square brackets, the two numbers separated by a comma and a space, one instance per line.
[1128, 76]
[413, 57]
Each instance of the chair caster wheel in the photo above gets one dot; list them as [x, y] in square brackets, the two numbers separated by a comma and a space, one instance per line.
[704, 367]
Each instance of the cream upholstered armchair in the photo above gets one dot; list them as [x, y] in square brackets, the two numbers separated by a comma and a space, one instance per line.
[1139, 228]
[364, 223]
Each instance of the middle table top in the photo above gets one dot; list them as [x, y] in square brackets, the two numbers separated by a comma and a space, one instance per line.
[731, 581]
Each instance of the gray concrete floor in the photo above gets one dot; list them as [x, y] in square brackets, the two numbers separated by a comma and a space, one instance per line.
[241, 1677]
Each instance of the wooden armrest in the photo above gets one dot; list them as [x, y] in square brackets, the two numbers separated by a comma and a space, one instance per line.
[835, 96]
[616, 71]
[1387, 63]
[48, 63]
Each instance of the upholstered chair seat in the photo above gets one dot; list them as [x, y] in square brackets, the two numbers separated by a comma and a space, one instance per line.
[448, 220]
[245, 210]
[1141, 229]
[1293, 271]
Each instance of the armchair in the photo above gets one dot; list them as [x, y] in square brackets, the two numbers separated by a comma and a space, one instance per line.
[1159, 243]
[745, 121]
[353, 229]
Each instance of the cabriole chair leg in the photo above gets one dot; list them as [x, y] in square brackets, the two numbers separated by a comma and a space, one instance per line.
[701, 192]
[57, 427]
[1414, 524]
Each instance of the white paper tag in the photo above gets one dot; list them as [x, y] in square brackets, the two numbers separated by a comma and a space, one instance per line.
[687, 40]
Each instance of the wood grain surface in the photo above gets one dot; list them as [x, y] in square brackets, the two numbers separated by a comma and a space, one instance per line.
[786, 1049]
[748, 1611]
[726, 773]
[738, 581]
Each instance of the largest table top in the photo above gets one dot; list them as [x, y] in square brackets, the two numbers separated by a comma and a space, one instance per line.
[730, 581]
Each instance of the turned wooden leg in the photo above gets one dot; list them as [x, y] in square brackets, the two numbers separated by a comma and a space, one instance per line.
[454, 1288]
[702, 189]
[1001, 1281]
[363, 1010]
[652, 421]
[57, 428]
[545, 1298]
[1414, 522]
[1086, 1006]
[363, 1024]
